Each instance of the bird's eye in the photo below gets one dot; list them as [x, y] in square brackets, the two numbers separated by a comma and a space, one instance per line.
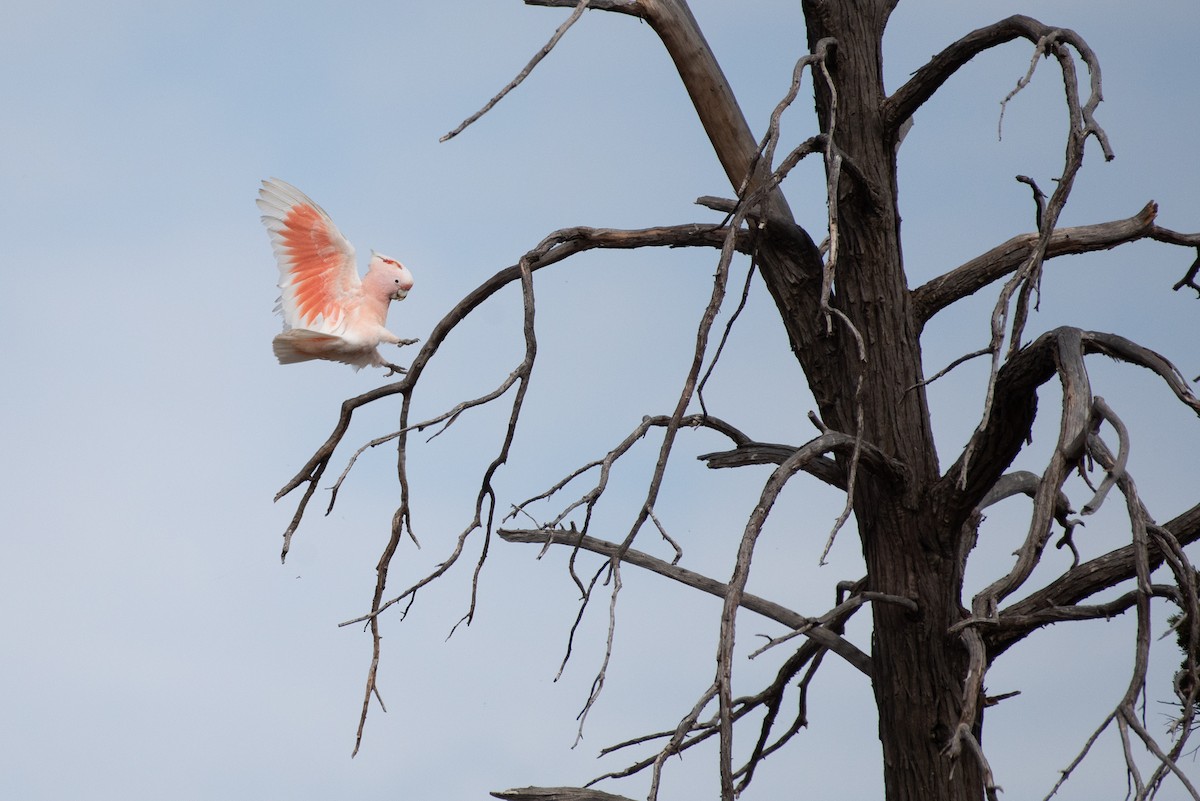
[397, 280]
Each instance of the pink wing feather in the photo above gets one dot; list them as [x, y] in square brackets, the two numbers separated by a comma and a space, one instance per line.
[318, 276]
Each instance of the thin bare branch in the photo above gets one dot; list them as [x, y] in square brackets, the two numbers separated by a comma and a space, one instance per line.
[614, 572]
[333, 491]
[686, 725]
[839, 614]
[733, 317]
[605, 464]
[1078, 760]
[1009, 622]
[768, 609]
[580, 6]
[960, 360]
[1027, 278]
[1189, 278]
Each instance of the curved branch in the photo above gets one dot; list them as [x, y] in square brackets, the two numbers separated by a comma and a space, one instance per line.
[737, 589]
[970, 277]
[1025, 483]
[1072, 436]
[904, 102]
[1187, 240]
[1125, 350]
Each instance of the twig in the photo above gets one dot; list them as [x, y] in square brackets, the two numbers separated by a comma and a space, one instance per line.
[333, 491]
[524, 73]
[1104, 412]
[598, 681]
[1042, 48]
[1189, 278]
[725, 334]
[949, 367]
[663, 531]
[1039, 199]
[590, 498]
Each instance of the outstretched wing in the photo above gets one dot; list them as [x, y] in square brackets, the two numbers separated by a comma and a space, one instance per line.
[318, 276]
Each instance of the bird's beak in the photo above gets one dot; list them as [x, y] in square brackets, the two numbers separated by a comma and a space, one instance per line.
[400, 294]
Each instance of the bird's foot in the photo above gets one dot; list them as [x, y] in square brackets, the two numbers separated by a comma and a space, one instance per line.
[394, 369]
[404, 342]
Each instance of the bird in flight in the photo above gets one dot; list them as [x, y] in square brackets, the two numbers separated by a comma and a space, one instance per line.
[328, 311]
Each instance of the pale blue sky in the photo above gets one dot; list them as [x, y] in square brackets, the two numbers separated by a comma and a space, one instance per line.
[151, 646]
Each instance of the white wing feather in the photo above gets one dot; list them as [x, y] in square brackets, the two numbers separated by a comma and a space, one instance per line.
[318, 275]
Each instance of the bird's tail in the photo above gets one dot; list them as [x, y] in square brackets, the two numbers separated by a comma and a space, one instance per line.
[296, 345]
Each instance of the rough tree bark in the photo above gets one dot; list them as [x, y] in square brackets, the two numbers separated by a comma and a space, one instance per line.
[854, 324]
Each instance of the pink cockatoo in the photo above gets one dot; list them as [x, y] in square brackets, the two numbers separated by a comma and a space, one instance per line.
[328, 311]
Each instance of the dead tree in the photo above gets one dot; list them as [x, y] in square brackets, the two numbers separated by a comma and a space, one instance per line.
[854, 324]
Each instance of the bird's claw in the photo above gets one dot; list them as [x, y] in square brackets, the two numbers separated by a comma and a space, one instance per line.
[394, 369]
[404, 342]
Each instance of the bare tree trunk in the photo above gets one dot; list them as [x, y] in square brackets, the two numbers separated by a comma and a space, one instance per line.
[919, 669]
